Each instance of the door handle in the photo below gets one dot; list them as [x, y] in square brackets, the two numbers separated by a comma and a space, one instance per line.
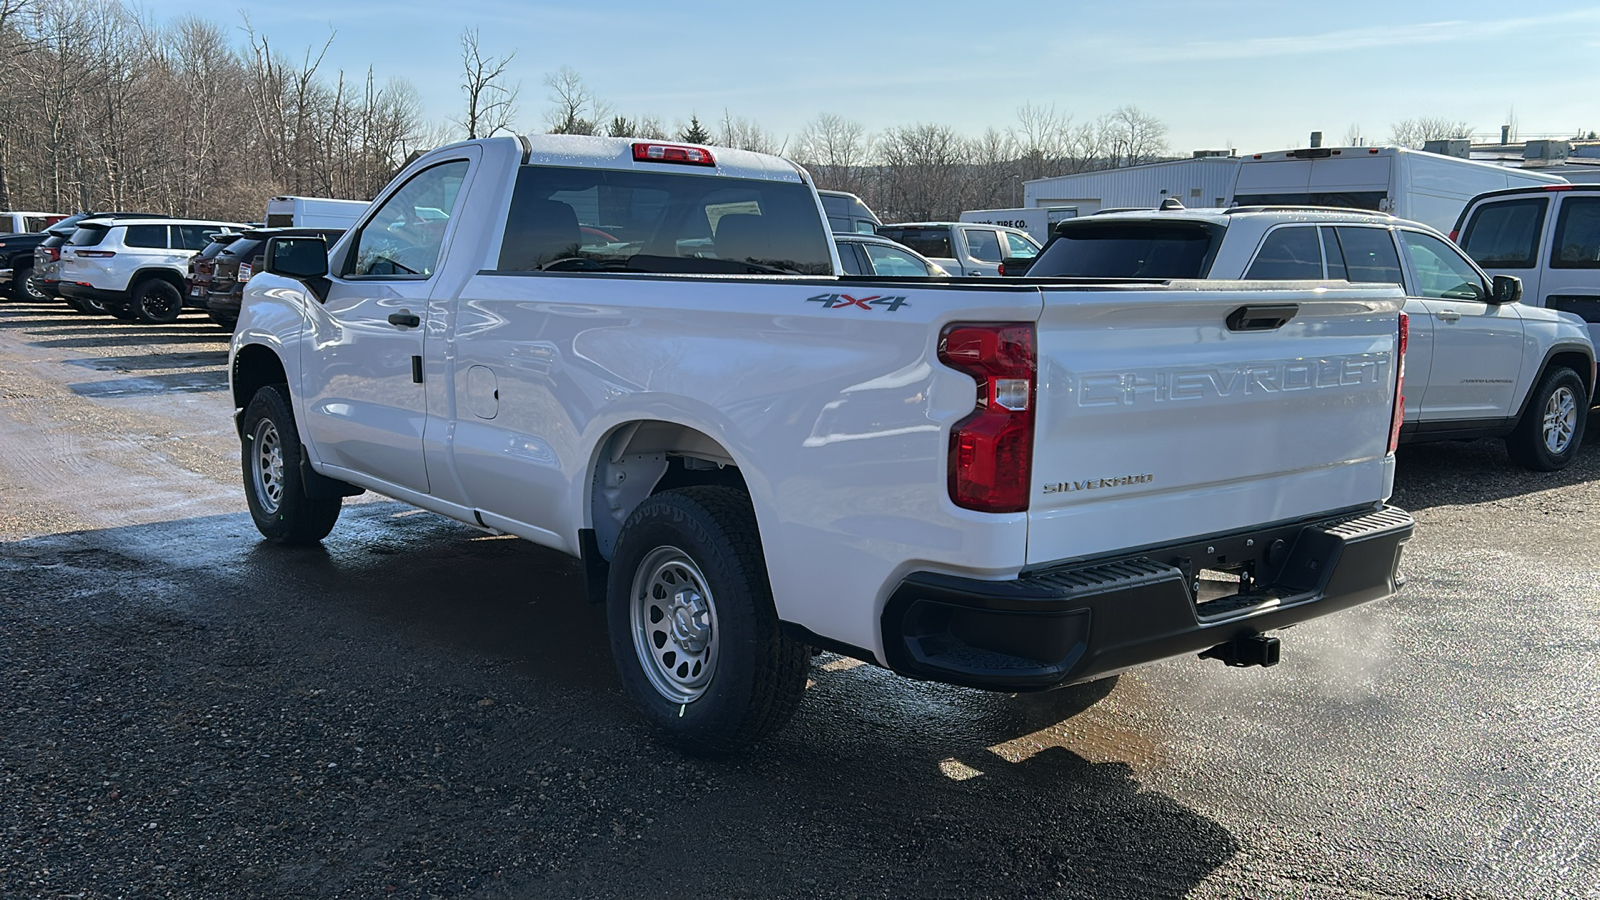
[1449, 315]
[405, 319]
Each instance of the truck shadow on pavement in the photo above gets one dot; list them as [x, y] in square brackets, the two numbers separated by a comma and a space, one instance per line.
[414, 708]
[1451, 472]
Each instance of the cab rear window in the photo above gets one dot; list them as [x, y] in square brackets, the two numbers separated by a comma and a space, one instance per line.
[933, 241]
[1129, 250]
[594, 220]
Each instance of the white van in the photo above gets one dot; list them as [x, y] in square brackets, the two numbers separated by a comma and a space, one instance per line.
[312, 212]
[1547, 236]
[1409, 184]
[1037, 221]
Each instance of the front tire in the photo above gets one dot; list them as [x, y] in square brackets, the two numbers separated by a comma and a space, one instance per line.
[28, 287]
[157, 302]
[693, 629]
[272, 485]
[1548, 435]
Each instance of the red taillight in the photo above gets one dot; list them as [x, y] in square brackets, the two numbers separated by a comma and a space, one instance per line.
[96, 254]
[1000, 269]
[673, 153]
[1558, 187]
[1399, 384]
[53, 252]
[991, 451]
[1453, 235]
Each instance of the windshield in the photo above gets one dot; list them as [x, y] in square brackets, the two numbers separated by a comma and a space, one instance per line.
[581, 219]
[1129, 250]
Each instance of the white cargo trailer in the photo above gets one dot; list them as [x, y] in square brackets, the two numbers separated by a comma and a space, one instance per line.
[312, 212]
[1411, 184]
[1036, 221]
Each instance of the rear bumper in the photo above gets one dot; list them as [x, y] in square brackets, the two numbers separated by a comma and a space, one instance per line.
[226, 305]
[1075, 623]
[74, 291]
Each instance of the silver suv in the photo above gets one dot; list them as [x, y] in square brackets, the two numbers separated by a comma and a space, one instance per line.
[1479, 363]
[134, 268]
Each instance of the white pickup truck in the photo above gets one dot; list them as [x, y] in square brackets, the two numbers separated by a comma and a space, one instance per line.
[640, 354]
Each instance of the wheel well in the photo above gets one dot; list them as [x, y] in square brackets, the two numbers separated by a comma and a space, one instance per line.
[644, 458]
[167, 275]
[1577, 362]
[255, 367]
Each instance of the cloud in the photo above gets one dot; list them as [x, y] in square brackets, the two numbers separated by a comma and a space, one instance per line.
[1318, 45]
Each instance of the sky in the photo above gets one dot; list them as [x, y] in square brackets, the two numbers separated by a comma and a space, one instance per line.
[1225, 73]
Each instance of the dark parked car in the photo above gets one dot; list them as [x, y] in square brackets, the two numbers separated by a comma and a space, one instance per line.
[240, 259]
[202, 268]
[867, 254]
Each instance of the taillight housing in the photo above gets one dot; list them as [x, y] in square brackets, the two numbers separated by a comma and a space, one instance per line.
[54, 253]
[1399, 383]
[991, 450]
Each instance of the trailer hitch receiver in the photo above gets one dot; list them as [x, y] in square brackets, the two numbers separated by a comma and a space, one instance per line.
[1246, 650]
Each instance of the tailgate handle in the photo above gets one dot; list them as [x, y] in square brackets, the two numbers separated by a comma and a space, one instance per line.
[1261, 317]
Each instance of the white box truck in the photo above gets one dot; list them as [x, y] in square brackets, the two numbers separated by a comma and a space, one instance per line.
[1410, 184]
[1036, 221]
[312, 212]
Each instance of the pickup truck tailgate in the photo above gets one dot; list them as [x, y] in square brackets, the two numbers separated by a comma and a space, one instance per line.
[1164, 415]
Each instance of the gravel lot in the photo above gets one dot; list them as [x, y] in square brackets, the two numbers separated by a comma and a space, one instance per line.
[418, 710]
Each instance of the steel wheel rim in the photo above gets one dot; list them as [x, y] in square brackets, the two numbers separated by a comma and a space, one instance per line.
[674, 625]
[266, 466]
[1560, 420]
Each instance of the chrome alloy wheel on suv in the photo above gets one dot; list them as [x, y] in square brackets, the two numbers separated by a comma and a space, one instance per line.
[1560, 419]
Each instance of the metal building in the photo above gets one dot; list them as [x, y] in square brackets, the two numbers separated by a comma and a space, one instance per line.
[1205, 181]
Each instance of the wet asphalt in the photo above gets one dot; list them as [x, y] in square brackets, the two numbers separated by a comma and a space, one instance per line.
[415, 709]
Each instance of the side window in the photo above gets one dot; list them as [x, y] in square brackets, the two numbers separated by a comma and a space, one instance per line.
[983, 244]
[1369, 255]
[932, 241]
[889, 261]
[404, 237]
[1287, 254]
[195, 237]
[1505, 234]
[849, 259]
[151, 236]
[1577, 238]
[1442, 272]
[1020, 247]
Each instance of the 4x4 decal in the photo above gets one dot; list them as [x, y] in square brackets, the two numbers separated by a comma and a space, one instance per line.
[840, 301]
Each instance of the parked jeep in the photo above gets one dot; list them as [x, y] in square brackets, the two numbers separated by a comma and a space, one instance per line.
[134, 267]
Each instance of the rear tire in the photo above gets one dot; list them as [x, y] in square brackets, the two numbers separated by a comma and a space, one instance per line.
[120, 313]
[27, 286]
[271, 458]
[693, 629]
[1548, 435]
[157, 302]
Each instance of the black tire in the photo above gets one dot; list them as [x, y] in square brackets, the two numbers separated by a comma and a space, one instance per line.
[221, 321]
[157, 302]
[120, 313]
[752, 676]
[1548, 435]
[24, 288]
[270, 454]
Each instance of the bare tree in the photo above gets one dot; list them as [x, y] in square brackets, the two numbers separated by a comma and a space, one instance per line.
[747, 135]
[491, 103]
[1354, 136]
[574, 107]
[836, 151]
[1133, 137]
[1416, 132]
[923, 166]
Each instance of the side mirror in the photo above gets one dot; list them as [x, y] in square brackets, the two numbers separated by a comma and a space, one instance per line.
[301, 257]
[1507, 289]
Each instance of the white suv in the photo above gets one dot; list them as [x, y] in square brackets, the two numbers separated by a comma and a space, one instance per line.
[1479, 363]
[134, 268]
